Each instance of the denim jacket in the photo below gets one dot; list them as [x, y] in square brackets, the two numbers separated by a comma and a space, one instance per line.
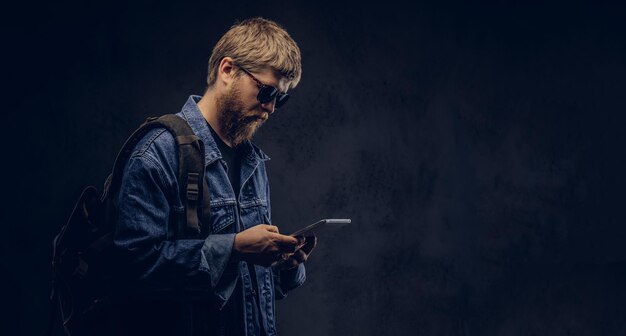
[150, 210]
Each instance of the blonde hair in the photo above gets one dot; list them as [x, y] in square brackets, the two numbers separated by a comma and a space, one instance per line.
[258, 44]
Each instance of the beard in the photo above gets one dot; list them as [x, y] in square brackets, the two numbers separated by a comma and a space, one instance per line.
[237, 124]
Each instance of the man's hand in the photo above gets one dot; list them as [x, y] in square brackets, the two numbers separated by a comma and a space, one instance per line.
[263, 245]
[292, 260]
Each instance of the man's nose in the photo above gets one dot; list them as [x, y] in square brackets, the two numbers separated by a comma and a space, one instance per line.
[269, 106]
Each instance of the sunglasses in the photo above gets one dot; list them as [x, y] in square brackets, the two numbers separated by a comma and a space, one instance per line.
[267, 93]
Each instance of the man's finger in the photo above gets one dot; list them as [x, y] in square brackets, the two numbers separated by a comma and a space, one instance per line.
[311, 241]
[286, 240]
[286, 244]
[300, 256]
[301, 240]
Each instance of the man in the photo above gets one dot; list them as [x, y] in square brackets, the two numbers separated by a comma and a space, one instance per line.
[250, 71]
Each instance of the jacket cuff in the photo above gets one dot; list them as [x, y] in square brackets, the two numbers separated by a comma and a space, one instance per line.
[287, 280]
[216, 253]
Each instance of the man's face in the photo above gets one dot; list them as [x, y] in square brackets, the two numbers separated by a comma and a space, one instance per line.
[240, 113]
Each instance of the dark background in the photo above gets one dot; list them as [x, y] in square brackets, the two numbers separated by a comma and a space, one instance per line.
[478, 149]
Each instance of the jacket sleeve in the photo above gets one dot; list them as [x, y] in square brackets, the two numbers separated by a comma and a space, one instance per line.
[287, 280]
[143, 237]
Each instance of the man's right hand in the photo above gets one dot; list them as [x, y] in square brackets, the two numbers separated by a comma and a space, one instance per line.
[262, 244]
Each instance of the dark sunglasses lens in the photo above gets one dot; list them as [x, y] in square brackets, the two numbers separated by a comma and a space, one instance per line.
[281, 100]
[267, 94]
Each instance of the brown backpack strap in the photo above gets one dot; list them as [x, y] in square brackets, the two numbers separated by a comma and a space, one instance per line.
[191, 174]
[191, 169]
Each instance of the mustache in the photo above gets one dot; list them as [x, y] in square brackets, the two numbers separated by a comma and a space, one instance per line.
[255, 117]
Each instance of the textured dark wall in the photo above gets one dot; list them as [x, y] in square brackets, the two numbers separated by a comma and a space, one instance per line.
[477, 148]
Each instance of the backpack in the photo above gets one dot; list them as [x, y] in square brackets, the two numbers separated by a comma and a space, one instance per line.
[83, 285]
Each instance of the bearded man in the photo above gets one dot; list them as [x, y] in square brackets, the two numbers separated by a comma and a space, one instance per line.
[251, 69]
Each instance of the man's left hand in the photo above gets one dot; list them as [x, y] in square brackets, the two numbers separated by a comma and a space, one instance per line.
[292, 260]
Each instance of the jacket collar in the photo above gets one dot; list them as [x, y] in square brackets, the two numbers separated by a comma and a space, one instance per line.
[192, 114]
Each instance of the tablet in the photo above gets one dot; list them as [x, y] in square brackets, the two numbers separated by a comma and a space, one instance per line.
[309, 229]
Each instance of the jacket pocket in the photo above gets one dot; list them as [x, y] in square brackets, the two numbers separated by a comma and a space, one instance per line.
[264, 214]
[254, 212]
[222, 217]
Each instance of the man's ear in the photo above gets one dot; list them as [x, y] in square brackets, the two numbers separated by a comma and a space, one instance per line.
[226, 71]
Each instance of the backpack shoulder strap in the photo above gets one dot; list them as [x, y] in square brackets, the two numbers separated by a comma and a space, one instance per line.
[193, 186]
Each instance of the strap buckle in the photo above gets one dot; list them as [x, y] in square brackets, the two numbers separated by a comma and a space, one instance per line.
[192, 186]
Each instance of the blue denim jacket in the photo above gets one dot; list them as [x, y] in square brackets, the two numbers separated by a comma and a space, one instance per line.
[150, 210]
